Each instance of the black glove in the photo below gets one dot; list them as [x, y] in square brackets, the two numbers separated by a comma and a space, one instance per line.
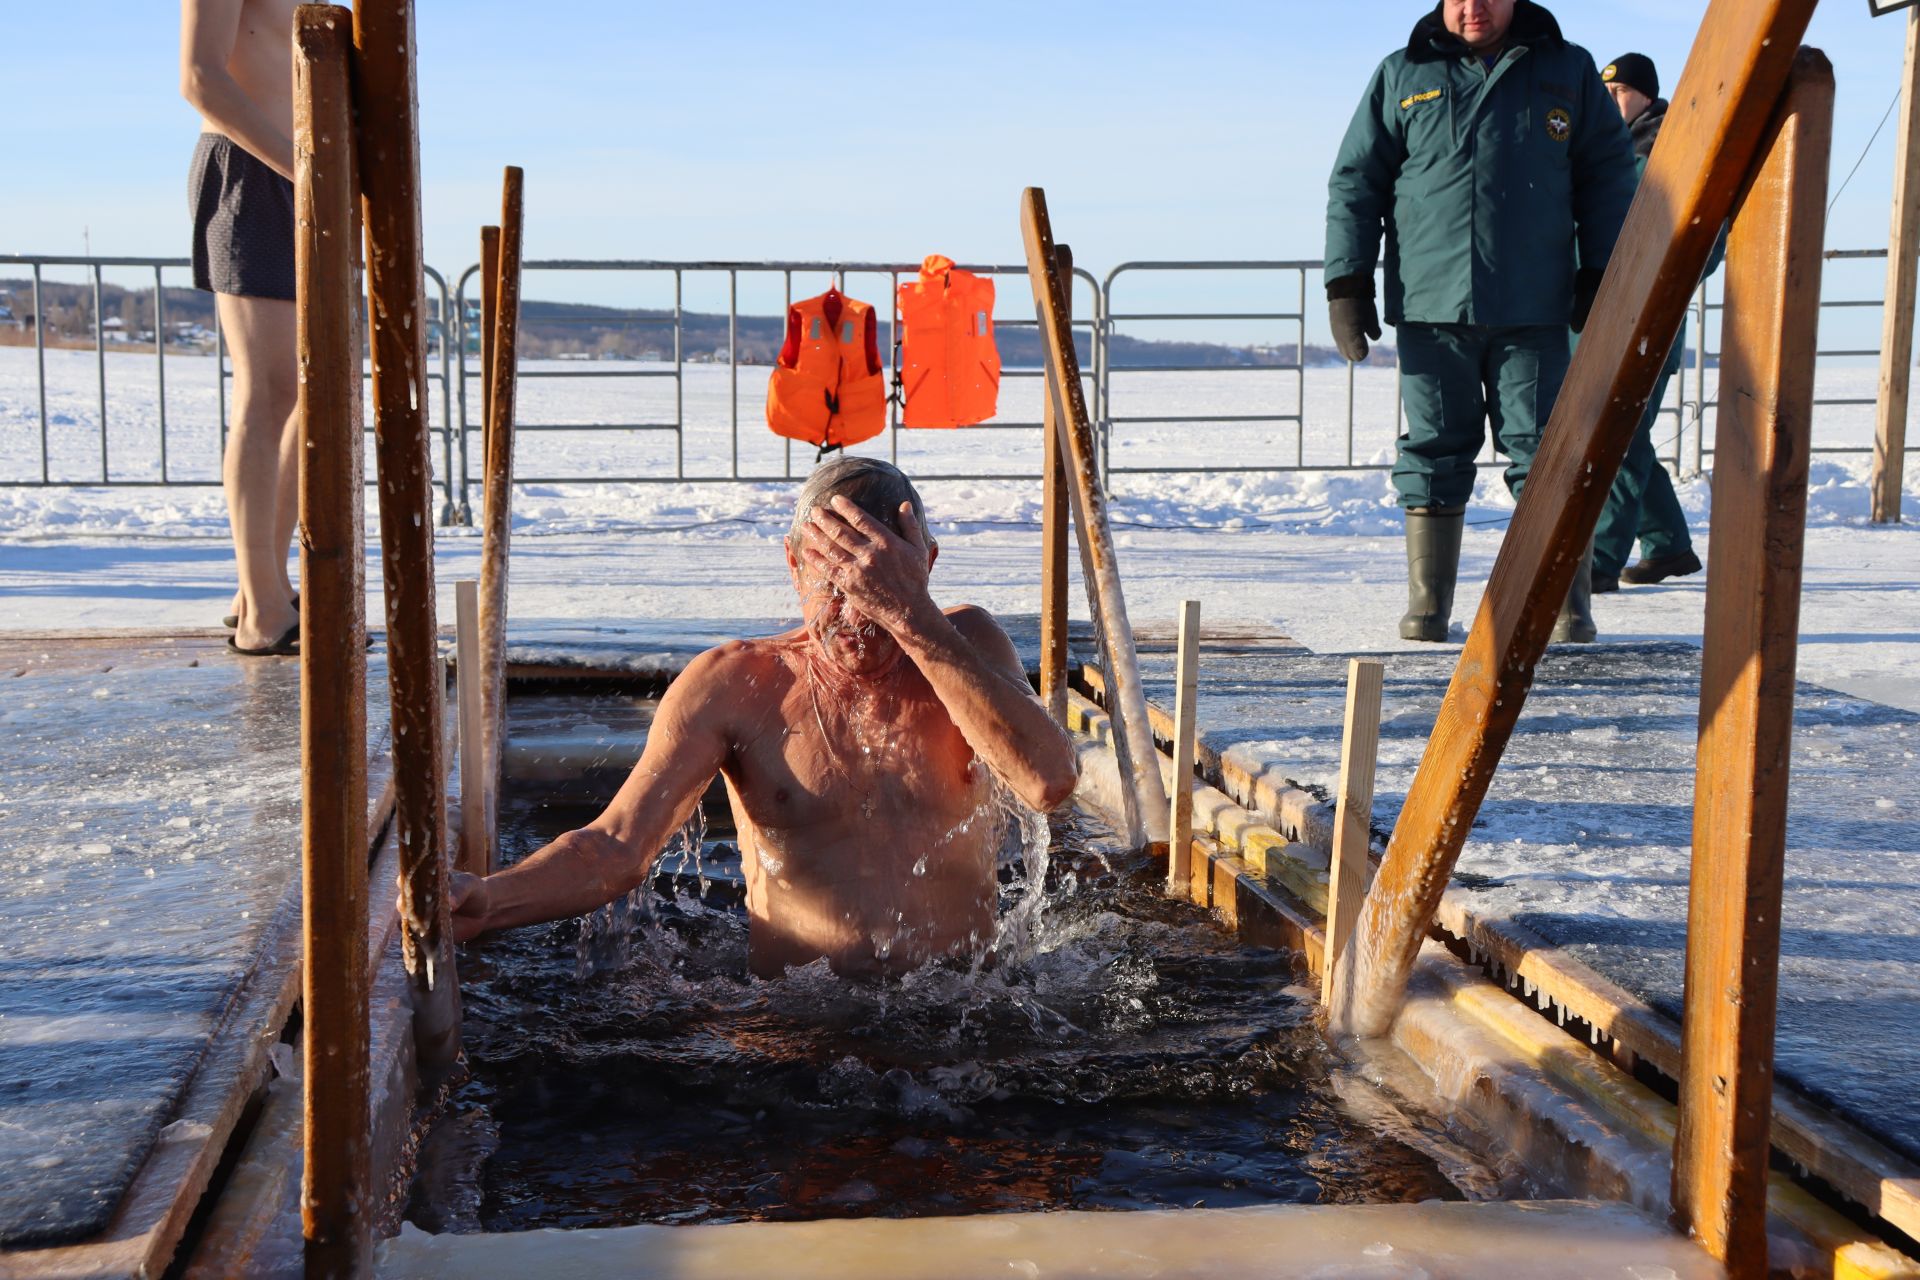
[1351, 312]
[1586, 283]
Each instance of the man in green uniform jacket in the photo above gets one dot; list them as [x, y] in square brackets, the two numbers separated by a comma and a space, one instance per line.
[1489, 157]
[1642, 500]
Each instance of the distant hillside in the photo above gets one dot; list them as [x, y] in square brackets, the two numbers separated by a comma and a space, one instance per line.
[556, 329]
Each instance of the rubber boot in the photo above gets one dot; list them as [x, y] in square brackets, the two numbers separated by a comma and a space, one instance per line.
[1575, 624]
[1433, 564]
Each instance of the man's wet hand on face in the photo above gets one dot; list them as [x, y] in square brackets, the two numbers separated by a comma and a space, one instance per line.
[881, 575]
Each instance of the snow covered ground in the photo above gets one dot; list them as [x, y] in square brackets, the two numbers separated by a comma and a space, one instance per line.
[1316, 555]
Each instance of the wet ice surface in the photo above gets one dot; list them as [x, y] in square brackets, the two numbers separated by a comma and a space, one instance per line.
[1585, 836]
[1550, 1240]
[1136, 1057]
[151, 834]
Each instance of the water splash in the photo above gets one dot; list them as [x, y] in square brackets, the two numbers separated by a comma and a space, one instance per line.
[606, 939]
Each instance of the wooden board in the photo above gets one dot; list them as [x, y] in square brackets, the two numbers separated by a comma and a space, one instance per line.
[389, 158]
[1186, 695]
[1353, 814]
[1055, 507]
[336, 1185]
[1146, 820]
[503, 380]
[1747, 679]
[1903, 266]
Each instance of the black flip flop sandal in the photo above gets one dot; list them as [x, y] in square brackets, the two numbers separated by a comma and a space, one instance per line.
[287, 646]
[232, 620]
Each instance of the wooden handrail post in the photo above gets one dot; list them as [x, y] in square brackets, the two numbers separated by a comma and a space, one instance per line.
[336, 1183]
[1143, 791]
[489, 307]
[1903, 266]
[1723, 1144]
[389, 160]
[1727, 95]
[497, 509]
[1053, 538]
[1353, 813]
[469, 679]
[1185, 731]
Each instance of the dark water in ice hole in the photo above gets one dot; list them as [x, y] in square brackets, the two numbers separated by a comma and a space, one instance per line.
[1138, 1056]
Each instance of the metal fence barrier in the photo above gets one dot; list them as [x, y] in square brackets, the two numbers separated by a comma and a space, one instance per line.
[677, 426]
[1100, 321]
[1691, 413]
[164, 458]
[1294, 324]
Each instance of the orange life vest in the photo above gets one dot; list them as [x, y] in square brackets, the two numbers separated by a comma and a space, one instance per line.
[827, 388]
[949, 366]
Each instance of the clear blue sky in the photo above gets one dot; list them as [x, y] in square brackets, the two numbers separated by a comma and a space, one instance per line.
[854, 131]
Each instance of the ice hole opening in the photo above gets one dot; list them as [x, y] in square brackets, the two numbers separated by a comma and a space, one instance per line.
[1138, 1056]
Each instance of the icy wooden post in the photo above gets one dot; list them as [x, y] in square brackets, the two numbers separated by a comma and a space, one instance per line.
[1353, 813]
[1723, 1144]
[1053, 536]
[1724, 101]
[389, 162]
[1903, 264]
[489, 302]
[336, 1191]
[475, 847]
[1142, 789]
[497, 508]
[1186, 694]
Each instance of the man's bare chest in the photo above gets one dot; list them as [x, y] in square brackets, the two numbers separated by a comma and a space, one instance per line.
[897, 762]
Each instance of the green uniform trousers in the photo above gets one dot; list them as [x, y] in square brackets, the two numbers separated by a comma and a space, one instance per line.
[1454, 380]
[1642, 501]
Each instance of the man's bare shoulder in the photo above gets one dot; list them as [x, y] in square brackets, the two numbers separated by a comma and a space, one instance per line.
[737, 669]
[983, 631]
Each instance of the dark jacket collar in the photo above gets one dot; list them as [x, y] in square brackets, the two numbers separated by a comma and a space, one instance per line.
[1532, 26]
[1646, 127]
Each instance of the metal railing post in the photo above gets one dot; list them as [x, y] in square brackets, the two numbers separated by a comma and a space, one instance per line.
[40, 357]
[679, 386]
[733, 362]
[160, 362]
[1300, 379]
[1700, 377]
[100, 365]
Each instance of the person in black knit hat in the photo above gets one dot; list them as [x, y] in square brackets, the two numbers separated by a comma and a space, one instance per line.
[1642, 501]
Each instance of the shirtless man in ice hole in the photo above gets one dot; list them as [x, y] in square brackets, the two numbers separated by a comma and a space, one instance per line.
[856, 750]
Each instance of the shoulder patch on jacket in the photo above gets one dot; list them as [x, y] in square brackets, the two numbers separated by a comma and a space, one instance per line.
[1414, 99]
[1559, 125]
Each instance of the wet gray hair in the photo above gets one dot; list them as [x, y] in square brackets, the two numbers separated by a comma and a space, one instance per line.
[877, 488]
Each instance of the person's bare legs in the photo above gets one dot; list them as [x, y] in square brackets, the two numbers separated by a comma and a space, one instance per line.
[261, 467]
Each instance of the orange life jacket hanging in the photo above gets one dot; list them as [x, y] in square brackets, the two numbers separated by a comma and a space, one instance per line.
[950, 369]
[827, 387]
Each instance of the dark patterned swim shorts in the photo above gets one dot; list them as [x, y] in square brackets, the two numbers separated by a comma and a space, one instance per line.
[242, 222]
